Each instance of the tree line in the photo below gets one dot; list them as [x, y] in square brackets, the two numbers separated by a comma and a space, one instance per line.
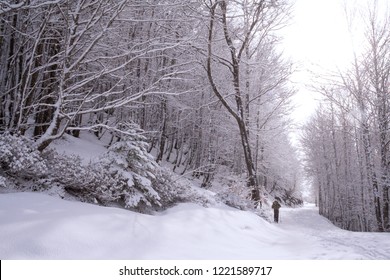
[347, 141]
[203, 80]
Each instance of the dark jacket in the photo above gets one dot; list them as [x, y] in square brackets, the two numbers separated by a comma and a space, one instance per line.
[276, 205]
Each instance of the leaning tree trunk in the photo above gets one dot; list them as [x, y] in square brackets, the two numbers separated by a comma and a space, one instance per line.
[239, 112]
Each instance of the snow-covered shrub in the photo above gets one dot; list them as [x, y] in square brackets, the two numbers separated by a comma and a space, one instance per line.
[3, 182]
[130, 153]
[129, 158]
[150, 186]
[125, 176]
[93, 182]
[19, 158]
[232, 191]
[6, 183]
[232, 200]
[174, 189]
[170, 190]
[236, 195]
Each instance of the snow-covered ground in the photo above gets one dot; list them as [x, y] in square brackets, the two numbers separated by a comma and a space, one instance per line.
[38, 226]
[88, 148]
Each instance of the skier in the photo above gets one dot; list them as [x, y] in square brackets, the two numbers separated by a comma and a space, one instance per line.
[276, 205]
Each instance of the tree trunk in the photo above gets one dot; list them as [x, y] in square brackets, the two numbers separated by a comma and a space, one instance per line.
[372, 175]
[163, 135]
[239, 113]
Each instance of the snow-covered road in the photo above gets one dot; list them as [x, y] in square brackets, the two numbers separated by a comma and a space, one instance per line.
[38, 226]
[323, 239]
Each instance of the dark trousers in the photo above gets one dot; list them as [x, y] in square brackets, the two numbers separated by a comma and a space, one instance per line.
[276, 215]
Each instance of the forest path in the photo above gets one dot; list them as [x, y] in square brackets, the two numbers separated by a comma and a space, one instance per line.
[321, 237]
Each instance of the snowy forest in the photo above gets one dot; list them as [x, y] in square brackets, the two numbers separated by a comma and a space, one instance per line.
[346, 142]
[184, 93]
[198, 84]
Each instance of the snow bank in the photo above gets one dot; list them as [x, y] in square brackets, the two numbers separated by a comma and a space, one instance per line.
[37, 226]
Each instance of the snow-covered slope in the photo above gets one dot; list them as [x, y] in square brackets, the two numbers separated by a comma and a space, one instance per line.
[37, 226]
[88, 148]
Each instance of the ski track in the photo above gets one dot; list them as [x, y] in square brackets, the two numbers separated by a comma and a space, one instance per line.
[317, 231]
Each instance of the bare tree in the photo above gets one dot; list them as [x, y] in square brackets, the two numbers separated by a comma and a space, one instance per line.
[238, 42]
[358, 114]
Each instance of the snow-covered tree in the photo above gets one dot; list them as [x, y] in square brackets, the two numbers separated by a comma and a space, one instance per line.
[347, 142]
[97, 66]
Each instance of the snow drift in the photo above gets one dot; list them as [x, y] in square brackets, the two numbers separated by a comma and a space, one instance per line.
[38, 226]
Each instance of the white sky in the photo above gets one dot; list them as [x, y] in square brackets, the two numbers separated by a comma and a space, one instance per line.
[317, 39]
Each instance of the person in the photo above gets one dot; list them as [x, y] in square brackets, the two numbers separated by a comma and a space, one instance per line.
[276, 205]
